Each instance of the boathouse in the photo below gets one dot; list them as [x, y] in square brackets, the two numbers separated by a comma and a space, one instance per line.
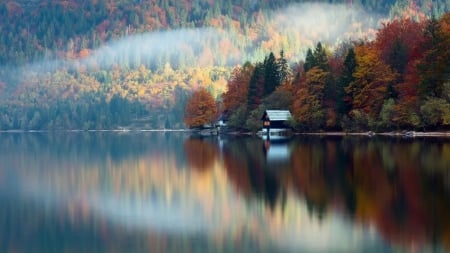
[276, 120]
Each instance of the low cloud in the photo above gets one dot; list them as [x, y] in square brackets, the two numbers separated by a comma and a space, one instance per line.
[292, 29]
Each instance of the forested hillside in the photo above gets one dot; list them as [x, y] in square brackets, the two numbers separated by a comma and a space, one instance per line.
[64, 28]
[400, 80]
[103, 64]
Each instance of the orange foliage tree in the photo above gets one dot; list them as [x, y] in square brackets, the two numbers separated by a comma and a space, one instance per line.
[201, 109]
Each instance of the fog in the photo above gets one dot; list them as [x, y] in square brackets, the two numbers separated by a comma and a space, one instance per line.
[326, 22]
[302, 25]
[292, 29]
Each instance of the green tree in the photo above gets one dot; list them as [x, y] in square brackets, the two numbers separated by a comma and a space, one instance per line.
[253, 122]
[256, 88]
[310, 61]
[271, 74]
[320, 57]
[238, 118]
[387, 114]
[343, 101]
[435, 112]
[285, 71]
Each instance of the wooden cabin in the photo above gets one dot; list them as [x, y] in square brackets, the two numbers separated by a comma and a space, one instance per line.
[276, 121]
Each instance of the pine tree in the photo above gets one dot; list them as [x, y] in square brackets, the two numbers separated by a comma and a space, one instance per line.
[343, 103]
[271, 75]
[255, 88]
[310, 61]
[285, 70]
[321, 58]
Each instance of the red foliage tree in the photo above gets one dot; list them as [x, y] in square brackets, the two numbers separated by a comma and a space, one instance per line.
[236, 94]
[397, 42]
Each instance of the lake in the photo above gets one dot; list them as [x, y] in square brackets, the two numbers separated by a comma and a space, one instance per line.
[170, 192]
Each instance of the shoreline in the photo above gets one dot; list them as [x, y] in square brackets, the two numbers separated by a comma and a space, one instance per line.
[408, 134]
[95, 131]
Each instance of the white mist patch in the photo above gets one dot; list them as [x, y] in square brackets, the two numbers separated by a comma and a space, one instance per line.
[330, 24]
[301, 25]
[292, 29]
[326, 22]
[184, 46]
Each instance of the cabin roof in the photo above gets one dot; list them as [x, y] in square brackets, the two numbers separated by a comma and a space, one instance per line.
[278, 115]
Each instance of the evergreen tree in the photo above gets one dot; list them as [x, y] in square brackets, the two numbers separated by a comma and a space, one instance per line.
[271, 75]
[310, 61]
[321, 58]
[255, 88]
[343, 105]
[285, 70]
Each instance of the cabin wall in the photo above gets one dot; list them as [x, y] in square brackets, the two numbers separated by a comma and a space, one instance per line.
[279, 124]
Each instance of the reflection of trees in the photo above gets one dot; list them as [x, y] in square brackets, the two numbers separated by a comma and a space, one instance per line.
[399, 185]
[84, 190]
[237, 170]
[246, 166]
[308, 175]
[200, 154]
[76, 163]
[91, 147]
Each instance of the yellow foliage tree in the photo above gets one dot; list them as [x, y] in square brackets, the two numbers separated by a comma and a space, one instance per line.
[372, 78]
[308, 109]
[201, 109]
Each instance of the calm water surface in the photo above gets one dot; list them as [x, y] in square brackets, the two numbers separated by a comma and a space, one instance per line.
[168, 192]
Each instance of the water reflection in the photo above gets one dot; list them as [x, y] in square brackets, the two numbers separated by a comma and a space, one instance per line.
[201, 153]
[168, 192]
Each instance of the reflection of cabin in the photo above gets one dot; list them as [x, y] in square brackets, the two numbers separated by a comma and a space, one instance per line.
[276, 120]
[222, 122]
[277, 153]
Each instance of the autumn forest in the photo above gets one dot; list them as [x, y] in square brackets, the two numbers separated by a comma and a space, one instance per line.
[362, 65]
